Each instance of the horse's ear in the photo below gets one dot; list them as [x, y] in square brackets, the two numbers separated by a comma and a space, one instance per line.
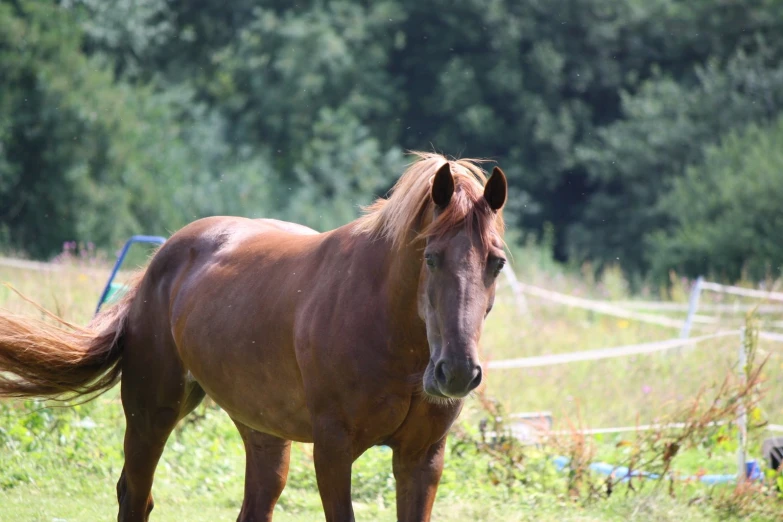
[443, 186]
[496, 189]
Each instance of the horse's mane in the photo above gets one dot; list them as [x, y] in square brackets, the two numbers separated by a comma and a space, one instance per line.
[394, 218]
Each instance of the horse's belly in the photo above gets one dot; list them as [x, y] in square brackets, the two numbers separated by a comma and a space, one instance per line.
[289, 420]
[258, 386]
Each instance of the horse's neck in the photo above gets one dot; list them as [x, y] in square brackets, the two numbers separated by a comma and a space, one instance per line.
[401, 268]
[396, 303]
[403, 284]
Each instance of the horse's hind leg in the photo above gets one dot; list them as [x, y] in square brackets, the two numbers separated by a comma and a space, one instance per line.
[266, 472]
[155, 395]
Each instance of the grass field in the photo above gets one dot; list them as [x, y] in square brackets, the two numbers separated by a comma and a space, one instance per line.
[61, 464]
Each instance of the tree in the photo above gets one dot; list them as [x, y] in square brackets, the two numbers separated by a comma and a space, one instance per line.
[667, 126]
[301, 110]
[726, 212]
[87, 158]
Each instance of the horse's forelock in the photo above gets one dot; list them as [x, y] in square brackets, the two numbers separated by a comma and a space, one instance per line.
[468, 209]
[394, 218]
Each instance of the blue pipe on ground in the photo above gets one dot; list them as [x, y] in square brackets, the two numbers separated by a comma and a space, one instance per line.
[622, 472]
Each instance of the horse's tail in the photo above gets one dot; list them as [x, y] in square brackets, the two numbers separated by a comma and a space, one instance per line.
[59, 360]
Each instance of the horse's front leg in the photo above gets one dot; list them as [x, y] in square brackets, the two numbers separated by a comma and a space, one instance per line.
[417, 473]
[333, 456]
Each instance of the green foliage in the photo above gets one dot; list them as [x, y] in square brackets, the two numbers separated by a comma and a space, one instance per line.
[307, 90]
[726, 210]
[45, 141]
[89, 158]
[121, 117]
[668, 126]
[70, 458]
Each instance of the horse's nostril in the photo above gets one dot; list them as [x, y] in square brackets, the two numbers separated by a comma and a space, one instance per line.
[456, 379]
[441, 373]
[476, 380]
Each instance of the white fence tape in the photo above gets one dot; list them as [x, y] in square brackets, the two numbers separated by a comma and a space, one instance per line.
[633, 309]
[602, 353]
[745, 292]
[770, 336]
[599, 306]
[627, 429]
[39, 266]
[29, 265]
[521, 302]
[630, 429]
[724, 308]
[537, 361]
[630, 309]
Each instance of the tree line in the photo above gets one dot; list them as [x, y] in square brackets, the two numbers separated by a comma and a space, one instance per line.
[645, 133]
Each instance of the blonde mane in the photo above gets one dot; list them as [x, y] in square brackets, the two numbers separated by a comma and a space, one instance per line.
[395, 217]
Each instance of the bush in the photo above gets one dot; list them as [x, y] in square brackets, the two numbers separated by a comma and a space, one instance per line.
[727, 212]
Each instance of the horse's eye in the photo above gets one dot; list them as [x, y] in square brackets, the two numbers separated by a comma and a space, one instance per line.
[430, 260]
[499, 264]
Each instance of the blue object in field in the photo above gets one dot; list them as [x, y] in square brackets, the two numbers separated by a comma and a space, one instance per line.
[621, 472]
[752, 470]
[112, 288]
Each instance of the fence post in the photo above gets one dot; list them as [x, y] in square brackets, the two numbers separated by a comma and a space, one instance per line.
[693, 305]
[742, 422]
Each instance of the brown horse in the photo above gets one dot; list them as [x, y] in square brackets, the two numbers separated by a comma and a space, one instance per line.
[365, 335]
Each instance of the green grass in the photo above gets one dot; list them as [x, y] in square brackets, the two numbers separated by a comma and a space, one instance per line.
[55, 470]
[63, 463]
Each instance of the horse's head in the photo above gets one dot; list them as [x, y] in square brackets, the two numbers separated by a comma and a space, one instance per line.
[462, 259]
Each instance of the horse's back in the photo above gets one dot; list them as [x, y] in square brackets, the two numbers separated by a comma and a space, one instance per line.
[217, 232]
[287, 226]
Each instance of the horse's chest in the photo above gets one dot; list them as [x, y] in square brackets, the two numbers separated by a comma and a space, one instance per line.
[426, 422]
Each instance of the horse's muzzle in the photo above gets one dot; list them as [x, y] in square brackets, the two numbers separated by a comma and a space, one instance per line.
[457, 378]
